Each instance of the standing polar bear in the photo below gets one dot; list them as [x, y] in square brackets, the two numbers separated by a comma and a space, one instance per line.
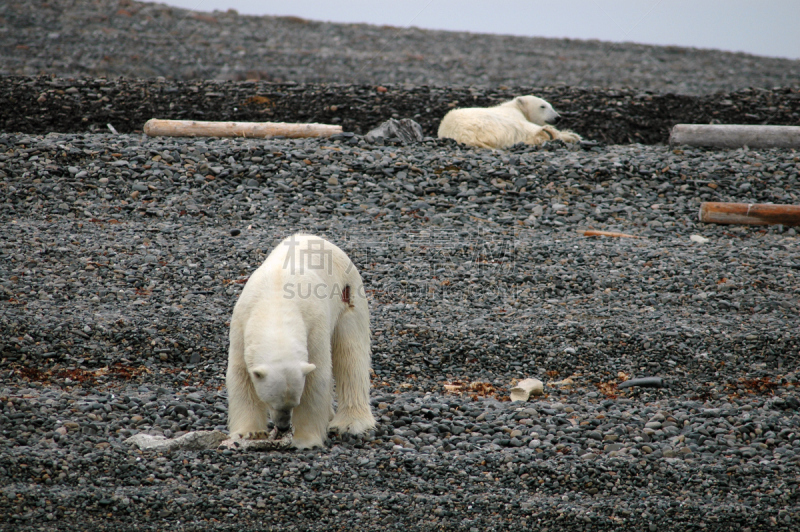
[523, 119]
[301, 322]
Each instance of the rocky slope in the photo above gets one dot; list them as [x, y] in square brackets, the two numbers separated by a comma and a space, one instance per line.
[141, 40]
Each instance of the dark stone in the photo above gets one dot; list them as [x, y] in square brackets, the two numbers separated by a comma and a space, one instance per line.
[643, 382]
[406, 130]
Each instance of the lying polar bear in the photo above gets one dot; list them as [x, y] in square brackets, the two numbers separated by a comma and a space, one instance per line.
[523, 119]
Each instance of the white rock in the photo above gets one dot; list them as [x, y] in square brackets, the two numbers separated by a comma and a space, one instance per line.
[699, 239]
[524, 389]
[193, 441]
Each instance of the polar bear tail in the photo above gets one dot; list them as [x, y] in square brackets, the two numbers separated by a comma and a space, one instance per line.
[351, 358]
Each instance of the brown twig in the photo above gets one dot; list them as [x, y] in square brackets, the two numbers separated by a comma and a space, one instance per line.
[593, 232]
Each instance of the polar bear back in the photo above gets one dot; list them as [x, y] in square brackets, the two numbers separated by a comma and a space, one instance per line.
[486, 128]
[308, 269]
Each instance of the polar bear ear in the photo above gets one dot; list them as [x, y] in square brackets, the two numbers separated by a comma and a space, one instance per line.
[259, 373]
[307, 368]
[522, 104]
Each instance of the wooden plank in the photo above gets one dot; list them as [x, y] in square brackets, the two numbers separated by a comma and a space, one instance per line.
[749, 213]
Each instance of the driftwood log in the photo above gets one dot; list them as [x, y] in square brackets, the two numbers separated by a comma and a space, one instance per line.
[194, 128]
[736, 136]
[749, 213]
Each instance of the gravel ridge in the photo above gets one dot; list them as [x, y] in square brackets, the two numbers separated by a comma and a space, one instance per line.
[615, 116]
[115, 38]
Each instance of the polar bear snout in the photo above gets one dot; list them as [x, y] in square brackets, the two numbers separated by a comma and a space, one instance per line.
[545, 114]
[282, 419]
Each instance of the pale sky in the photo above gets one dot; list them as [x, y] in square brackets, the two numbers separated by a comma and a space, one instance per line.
[766, 27]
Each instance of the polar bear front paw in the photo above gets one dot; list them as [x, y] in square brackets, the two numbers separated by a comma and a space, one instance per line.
[307, 442]
[569, 136]
[353, 425]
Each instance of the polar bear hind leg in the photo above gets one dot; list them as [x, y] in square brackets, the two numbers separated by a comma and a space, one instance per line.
[351, 365]
[310, 418]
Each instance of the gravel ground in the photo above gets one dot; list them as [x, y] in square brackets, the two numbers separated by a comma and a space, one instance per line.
[122, 257]
[123, 38]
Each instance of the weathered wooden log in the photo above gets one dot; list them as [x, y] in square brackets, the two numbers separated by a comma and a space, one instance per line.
[736, 136]
[194, 128]
[749, 213]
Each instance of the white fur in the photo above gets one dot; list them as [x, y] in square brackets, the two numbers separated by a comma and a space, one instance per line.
[523, 119]
[291, 336]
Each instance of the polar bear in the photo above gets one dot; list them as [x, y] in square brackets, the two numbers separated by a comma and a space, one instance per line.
[301, 323]
[523, 119]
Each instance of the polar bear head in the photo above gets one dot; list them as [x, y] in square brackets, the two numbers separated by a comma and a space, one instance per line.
[536, 110]
[280, 387]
